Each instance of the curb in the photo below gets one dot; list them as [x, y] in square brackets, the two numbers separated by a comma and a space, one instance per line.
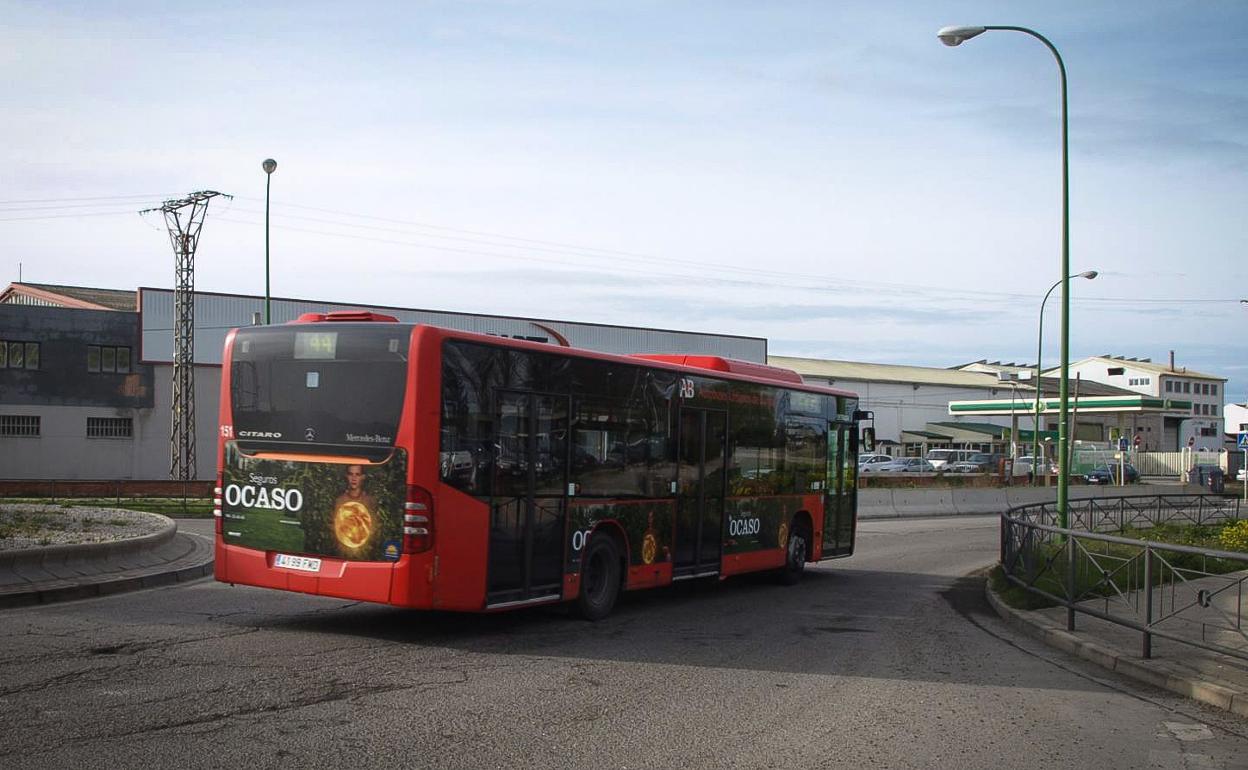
[1142, 670]
[105, 587]
[59, 554]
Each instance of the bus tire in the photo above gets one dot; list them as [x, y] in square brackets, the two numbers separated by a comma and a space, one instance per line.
[600, 578]
[795, 554]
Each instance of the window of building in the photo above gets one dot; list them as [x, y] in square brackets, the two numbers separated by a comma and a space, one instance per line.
[1169, 386]
[1115, 371]
[108, 358]
[19, 355]
[1213, 410]
[19, 425]
[1187, 387]
[1146, 380]
[1195, 408]
[110, 427]
[1213, 389]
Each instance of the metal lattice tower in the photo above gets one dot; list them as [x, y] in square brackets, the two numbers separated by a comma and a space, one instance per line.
[185, 218]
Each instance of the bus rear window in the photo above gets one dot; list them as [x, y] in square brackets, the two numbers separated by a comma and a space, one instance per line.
[305, 385]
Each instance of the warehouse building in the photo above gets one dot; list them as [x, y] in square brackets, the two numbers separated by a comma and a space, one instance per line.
[86, 376]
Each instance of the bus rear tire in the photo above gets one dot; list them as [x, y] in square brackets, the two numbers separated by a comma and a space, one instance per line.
[600, 578]
[794, 554]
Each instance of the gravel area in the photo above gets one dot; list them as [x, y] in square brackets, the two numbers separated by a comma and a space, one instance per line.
[34, 526]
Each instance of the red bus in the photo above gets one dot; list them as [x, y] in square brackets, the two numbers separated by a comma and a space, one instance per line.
[423, 467]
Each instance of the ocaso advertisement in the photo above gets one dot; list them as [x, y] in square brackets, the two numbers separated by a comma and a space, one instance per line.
[324, 508]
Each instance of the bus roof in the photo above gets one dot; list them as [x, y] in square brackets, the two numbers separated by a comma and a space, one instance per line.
[724, 368]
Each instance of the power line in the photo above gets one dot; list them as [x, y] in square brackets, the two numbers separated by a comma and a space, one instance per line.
[817, 282]
[146, 196]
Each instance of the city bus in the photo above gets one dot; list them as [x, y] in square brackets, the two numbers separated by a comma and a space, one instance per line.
[416, 466]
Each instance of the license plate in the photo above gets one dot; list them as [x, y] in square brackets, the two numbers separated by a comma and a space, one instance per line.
[301, 563]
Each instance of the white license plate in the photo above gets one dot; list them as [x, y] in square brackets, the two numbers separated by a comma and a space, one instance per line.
[301, 563]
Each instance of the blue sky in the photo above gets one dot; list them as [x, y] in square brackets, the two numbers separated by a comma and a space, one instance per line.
[827, 175]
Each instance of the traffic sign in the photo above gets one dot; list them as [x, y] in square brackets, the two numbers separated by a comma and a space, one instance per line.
[1122, 444]
[1243, 440]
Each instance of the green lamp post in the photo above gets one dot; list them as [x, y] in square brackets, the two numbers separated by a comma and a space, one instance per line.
[269, 165]
[1035, 443]
[953, 36]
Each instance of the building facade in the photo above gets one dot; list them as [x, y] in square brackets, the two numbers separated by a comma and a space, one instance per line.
[1201, 427]
[86, 374]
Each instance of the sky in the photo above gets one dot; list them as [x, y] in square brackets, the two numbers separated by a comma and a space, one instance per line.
[825, 175]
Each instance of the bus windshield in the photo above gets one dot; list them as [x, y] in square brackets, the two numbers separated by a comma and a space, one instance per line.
[341, 387]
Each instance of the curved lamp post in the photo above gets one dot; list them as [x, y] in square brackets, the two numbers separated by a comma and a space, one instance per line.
[269, 166]
[953, 36]
[1035, 439]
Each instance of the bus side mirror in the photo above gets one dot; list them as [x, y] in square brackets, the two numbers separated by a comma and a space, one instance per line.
[868, 439]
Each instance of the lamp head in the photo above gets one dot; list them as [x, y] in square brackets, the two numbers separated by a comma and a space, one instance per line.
[1089, 274]
[952, 36]
[269, 165]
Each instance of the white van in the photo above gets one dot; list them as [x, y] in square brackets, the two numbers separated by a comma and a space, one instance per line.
[941, 459]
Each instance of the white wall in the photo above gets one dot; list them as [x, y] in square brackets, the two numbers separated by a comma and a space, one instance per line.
[62, 450]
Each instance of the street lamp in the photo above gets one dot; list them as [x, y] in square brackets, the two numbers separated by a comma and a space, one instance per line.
[953, 36]
[269, 165]
[1035, 439]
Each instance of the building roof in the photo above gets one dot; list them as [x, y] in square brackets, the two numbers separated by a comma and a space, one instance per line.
[1145, 365]
[835, 371]
[57, 295]
[926, 434]
[986, 428]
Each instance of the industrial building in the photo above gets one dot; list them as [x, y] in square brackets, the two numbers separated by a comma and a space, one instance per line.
[86, 379]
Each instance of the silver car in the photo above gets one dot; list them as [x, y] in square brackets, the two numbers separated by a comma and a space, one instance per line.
[906, 465]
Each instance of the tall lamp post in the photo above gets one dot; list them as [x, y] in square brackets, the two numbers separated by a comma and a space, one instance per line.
[1035, 439]
[269, 165]
[952, 36]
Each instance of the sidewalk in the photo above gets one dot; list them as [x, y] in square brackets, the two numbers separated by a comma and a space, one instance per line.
[1209, 677]
[60, 573]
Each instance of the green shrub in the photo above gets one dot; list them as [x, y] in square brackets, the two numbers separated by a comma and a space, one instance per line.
[1234, 537]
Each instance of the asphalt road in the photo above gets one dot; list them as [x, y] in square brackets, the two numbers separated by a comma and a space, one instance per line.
[889, 659]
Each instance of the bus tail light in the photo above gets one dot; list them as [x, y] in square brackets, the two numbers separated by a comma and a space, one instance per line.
[417, 520]
[216, 500]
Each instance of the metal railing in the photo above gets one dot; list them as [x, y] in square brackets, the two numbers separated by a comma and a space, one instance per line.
[1189, 595]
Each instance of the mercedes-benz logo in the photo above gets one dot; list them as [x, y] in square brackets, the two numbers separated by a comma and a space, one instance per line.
[309, 434]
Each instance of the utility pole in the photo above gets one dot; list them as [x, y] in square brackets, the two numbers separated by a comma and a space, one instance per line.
[184, 218]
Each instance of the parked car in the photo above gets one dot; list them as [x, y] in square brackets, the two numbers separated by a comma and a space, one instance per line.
[905, 465]
[1108, 474]
[941, 458]
[980, 462]
[869, 463]
[1022, 466]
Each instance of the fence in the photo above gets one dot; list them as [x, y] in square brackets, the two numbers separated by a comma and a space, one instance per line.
[1189, 595]
[118, 489]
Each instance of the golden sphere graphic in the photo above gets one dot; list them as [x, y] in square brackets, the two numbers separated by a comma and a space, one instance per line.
[353, 524]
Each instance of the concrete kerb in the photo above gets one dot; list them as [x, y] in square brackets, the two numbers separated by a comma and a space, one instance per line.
[125, 571]
[1143, 670]
[81, 552]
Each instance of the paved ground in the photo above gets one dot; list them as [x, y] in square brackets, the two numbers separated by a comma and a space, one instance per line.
[890, 659]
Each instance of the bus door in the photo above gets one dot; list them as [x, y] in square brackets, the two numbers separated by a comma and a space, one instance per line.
[528, 508]
[838, 509]
[700, 492]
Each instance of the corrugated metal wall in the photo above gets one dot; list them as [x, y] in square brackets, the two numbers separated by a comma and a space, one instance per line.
[216, 314]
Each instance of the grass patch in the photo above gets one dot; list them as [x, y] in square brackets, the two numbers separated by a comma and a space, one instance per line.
[176, 507]
[25, 524]
[1103, 569]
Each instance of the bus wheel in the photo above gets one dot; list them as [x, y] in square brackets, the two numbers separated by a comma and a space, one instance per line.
[795, 554]
[600, 578]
